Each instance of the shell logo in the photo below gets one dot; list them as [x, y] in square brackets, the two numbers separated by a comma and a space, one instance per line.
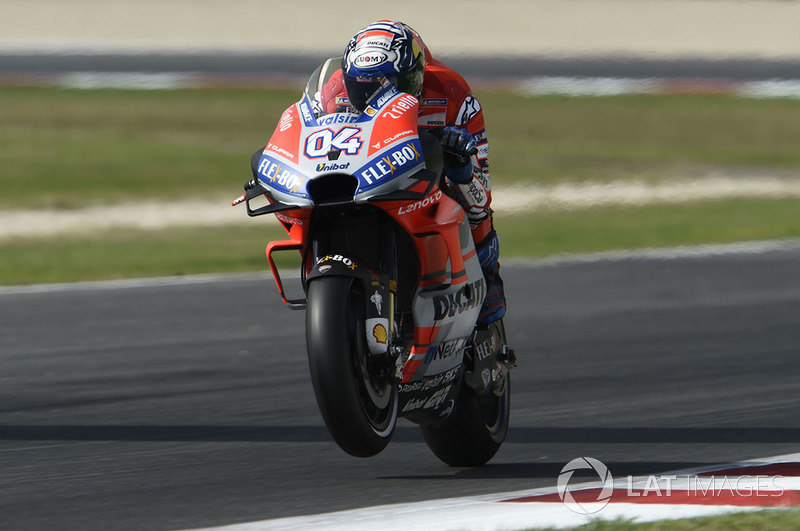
[379, 333]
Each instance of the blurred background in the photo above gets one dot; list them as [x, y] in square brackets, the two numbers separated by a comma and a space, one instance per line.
[268, 38]
[127, 127]
[613, 124]
[502, 28]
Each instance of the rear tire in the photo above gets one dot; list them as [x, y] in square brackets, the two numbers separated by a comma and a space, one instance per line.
[356, 397]
[474, 432]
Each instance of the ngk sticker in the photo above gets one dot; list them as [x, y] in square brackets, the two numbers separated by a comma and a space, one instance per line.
[322, 142]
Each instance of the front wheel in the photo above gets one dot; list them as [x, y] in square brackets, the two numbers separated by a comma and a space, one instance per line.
[474, 432]
[355, 393]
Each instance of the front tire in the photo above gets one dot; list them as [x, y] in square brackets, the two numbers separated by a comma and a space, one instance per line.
[473, 434]
[355, 395]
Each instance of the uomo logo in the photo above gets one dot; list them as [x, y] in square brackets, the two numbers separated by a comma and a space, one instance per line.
[585, 506]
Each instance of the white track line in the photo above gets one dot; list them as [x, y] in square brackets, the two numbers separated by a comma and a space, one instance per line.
[510, 200]
[138, 283]
[573, 196]
[494, 512]
[610, 86]
[537, 86]
[146, 215]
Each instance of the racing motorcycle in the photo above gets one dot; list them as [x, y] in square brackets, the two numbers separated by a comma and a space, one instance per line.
[392, 283]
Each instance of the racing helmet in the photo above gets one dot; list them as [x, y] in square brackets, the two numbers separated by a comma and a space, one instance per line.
[384, 52]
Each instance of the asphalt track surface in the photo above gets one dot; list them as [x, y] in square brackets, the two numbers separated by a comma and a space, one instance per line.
[189, 404]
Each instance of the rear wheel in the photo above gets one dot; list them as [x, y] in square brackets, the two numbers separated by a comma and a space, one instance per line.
[354, 391]
[475, 431]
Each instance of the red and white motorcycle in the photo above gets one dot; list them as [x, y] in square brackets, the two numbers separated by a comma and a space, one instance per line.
[392, 283]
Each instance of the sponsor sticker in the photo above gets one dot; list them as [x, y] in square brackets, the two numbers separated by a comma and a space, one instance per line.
[332, 167]
[337, 258]
[376, 38]
[273, 172]
[432, 120]
[380, 334]
[287, 118]
[400, 106]
[435, 400]
[280, 150]
[389, 164]
[337, 118]
[445, 350]
[394, 138]
[432, 382]
[391, 93]
[377, 300]
[305, 111]
[369, 59]
[469, 109]
[466, 298]
[486, 348]
[475, 195]
[377, 335]
[428, 201]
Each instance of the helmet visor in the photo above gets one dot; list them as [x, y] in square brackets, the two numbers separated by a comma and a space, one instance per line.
[361, 90]
[411, 83]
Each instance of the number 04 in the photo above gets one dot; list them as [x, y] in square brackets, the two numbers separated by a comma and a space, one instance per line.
[322, 142]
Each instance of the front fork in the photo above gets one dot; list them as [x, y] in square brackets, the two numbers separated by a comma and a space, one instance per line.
[379, 283]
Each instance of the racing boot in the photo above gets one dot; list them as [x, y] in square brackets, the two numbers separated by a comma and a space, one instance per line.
[494, 305]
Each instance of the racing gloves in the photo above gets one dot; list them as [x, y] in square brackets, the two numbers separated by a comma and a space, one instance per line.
[459, 146]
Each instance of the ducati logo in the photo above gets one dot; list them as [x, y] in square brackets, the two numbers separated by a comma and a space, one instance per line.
[464, 299]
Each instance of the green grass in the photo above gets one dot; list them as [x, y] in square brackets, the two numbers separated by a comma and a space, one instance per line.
[127, 254]
[603, 229]
[134, 253]
[556, 138]
[68, 148]
[768, 520]
[64, 148]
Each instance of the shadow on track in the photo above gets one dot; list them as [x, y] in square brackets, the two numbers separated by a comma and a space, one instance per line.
[653, 435]
[553, 469]
[408, 434]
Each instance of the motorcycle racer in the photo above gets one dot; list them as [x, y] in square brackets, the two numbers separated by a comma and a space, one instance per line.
[391, 51]
[374, 174]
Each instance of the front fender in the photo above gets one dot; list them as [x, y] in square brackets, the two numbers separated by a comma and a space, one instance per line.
[337, 265]
[379, 296]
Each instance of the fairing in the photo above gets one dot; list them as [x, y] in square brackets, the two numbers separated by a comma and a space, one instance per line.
[382, 150]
